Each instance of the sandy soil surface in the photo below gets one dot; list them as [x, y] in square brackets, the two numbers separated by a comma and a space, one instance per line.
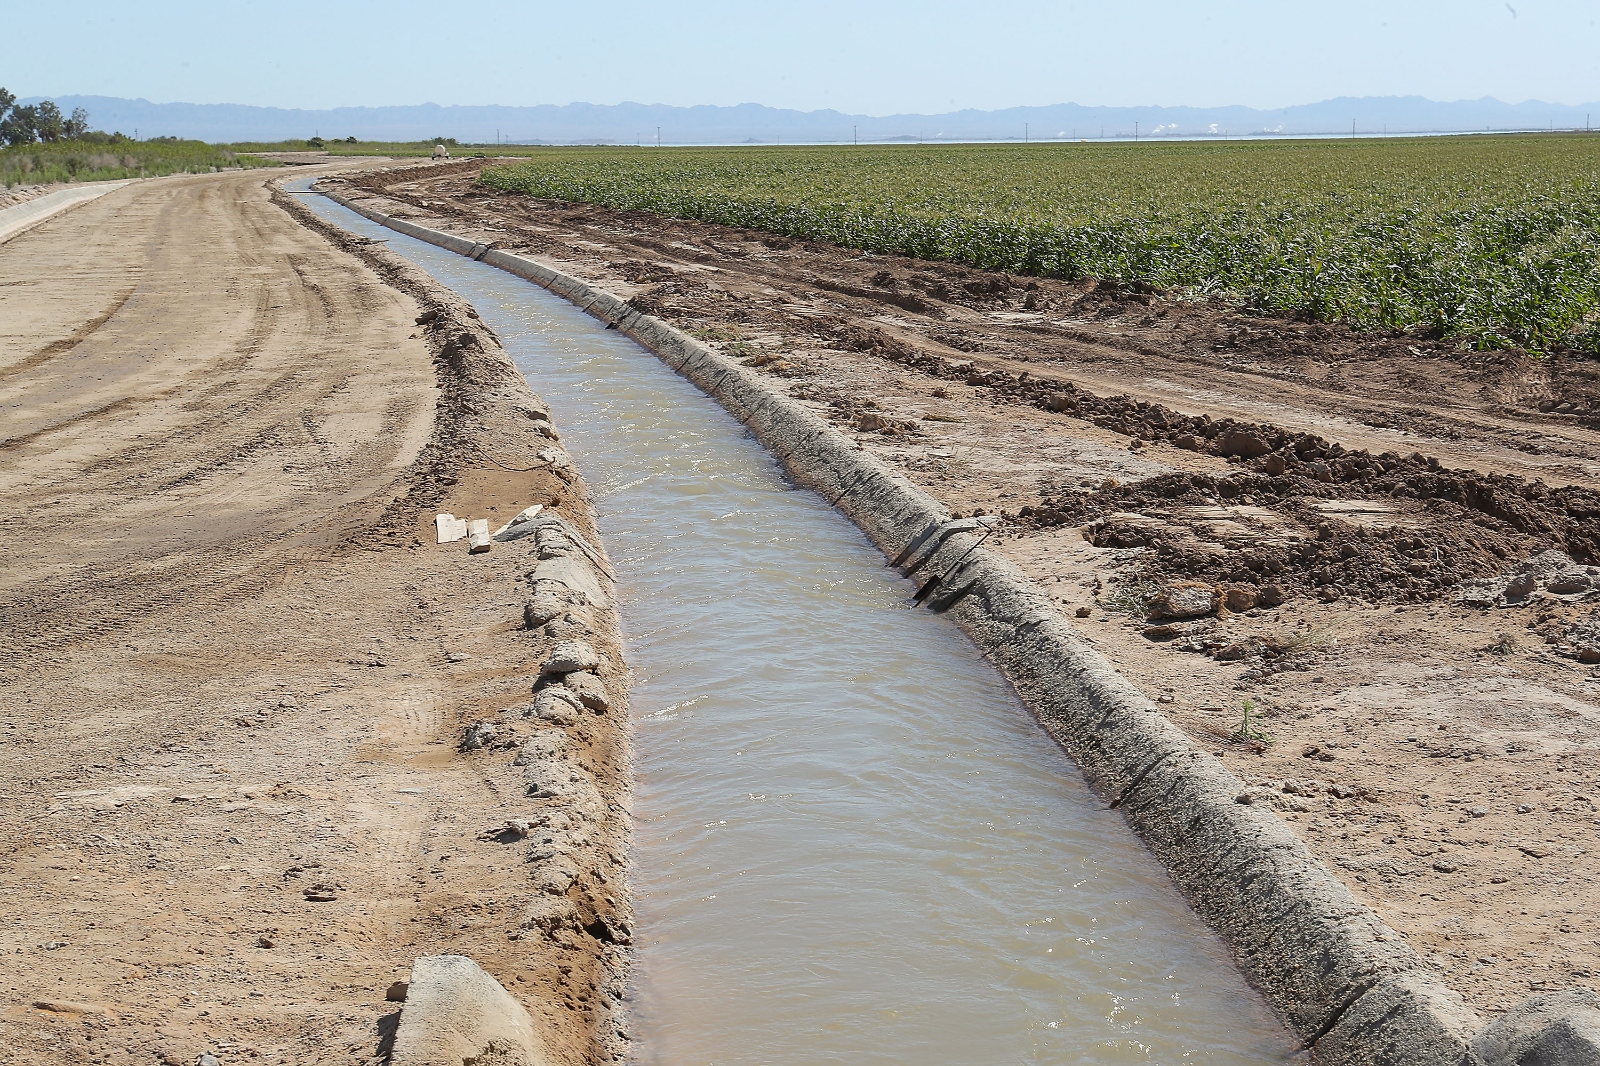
[1329, 493]
[237, 666]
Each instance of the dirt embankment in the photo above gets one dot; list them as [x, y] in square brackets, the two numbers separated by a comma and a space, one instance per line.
[1327, 493]
[264, 741]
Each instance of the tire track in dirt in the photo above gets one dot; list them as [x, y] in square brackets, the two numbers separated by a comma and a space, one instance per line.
[61, 347]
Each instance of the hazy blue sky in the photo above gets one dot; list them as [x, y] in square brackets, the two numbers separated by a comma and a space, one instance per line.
[871, 57]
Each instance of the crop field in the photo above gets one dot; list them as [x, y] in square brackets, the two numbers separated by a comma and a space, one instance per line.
[1492, 241]
[110, 159]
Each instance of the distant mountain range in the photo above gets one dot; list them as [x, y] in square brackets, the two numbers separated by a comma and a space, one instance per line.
[754, 123]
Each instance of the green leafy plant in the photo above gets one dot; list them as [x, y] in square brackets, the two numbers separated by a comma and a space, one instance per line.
[1247, 732]
[1491, 241]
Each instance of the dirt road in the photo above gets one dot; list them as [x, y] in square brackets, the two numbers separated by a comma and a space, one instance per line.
[236, 665]
[1440, 755]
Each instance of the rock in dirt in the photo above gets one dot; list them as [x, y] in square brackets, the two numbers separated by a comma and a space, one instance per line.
[566, 627]
[1244, 445]
[478, 735]
[1519, 587]
[1555, 572]
[1240, 649]
[566, 576]
[569, 656]
[590, 690]
[541, 749]
[457, 1013]
[558, 706]
[1571, 583]
[1184, 600]
[877, 422]
[508, 832]
[1177, 630]
[396, 992]
[63, 1006]
[541, 609]
[1239, 598]
[518, 526]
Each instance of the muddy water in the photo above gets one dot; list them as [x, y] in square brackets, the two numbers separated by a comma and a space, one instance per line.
[853, 844]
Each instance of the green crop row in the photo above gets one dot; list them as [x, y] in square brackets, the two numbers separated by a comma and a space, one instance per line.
[1494, 241]
[107, 157]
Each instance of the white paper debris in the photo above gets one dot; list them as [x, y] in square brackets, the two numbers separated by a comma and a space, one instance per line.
[449, 527]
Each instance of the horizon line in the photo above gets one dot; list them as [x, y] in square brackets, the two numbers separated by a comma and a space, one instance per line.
[826, 110]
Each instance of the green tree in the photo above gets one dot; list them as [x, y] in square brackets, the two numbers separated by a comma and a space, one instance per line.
[78, 124]
[47, 121]
[18, 127]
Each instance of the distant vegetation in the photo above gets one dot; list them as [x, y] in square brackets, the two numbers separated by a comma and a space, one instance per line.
[395, 149]
[42, 146]
[1493, 241]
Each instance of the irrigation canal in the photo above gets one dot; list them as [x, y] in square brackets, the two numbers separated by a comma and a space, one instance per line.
[852, 843]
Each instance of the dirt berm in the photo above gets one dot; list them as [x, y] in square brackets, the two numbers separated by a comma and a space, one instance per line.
[1345, 981]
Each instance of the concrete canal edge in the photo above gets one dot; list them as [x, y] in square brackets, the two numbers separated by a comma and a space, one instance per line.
[20, 218]
[1349, 986]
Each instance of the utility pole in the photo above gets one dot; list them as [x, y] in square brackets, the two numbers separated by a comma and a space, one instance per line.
[855, 137]
[1352, 129]
[658, 136]
[1024, 133]
[1136, 130]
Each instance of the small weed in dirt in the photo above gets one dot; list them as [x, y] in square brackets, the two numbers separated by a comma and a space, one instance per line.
[1301, 642]
[1133, 597]
[1507, 643]
[1247, 733]
[723, 334]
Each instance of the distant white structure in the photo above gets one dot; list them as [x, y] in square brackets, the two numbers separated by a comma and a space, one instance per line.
[441, 152]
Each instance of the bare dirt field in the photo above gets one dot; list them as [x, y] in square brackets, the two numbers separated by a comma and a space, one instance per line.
[1437, 743]
[237, 666]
